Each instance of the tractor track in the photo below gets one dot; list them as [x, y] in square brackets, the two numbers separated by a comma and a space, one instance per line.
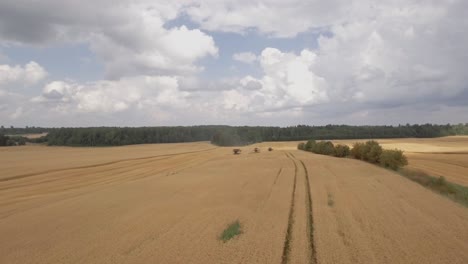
[99, 165]
[300, 231]
[287, 239]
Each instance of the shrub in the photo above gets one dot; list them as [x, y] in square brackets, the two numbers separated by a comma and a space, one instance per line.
[325, 148]
[372, 151]
[3, 140]
[357, 150]
[310, 145]
[10, 142]
[301, 146]
[231, 231]
[458, 193]
[393, 159]
[341, 150]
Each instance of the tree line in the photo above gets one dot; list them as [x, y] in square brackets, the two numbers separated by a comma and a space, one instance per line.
[12, 140]
[370, 151]
[229, 135]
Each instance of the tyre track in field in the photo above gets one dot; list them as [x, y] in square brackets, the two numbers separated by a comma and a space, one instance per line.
[310, 217]
[287, 240]
[300, 232]
[131, 170]
[82, 178]
[15, 177]
[112, 169]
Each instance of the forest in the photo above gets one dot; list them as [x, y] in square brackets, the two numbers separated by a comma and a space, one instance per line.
[223, 135]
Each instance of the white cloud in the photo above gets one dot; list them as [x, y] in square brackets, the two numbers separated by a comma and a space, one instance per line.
[371, 59]
[140, 92]
[245, 57]
[288, 83]
[272, 17]
[397, 57]
[129, 37]
[18, 112]
[26, 75]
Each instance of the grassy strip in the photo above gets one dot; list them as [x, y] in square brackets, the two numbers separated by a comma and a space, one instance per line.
[331, 202]
[456, 192]
[231, 231]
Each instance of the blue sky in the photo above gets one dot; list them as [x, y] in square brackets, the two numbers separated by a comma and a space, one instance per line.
[62, 61]
[232, 62]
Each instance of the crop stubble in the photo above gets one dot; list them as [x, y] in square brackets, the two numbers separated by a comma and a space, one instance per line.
[168, 204]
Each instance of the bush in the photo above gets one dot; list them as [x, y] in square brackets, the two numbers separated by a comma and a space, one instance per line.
[3, 140]
[357, 150]
[10, 142]
[325, 148]
[458, 193]
[369, 151]
[310, 145]
[372, 151]
[341, 151]
[231, 231]
[393, 159]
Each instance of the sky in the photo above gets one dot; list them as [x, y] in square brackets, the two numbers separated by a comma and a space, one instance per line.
[271, 62]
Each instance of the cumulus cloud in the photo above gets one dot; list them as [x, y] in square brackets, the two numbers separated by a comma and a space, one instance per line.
[26, 75]
[137, 92]
[129, 37]
[392, 58]
[400, 56]
[402, 59]
[245, 57]
[288, 82]
[271, 17]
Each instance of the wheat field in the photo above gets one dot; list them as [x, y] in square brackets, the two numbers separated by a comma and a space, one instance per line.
[169, 203]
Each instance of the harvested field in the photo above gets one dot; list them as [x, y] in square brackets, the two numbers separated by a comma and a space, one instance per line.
[169, 203]
[445, 156]
[31, 136]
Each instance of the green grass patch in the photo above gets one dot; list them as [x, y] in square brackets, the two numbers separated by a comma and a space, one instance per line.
[331, 202]
[231, 231]
[456, 192]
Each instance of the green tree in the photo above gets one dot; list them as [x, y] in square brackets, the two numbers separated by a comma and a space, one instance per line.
[3, 140]
[393, 159]
[372, 151]
[301, 146]
[357, 151]
[310, 145]
[341, 150]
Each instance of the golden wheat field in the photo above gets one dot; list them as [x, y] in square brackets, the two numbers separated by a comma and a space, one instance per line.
[169, 203]
[445, 156]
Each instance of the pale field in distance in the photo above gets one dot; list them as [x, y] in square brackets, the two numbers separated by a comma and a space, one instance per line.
[445, 156]
[31, 136]
[169, 203]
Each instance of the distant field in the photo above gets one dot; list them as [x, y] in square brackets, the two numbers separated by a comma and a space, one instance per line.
[31, 136]
[445, 156]
[170, 203]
